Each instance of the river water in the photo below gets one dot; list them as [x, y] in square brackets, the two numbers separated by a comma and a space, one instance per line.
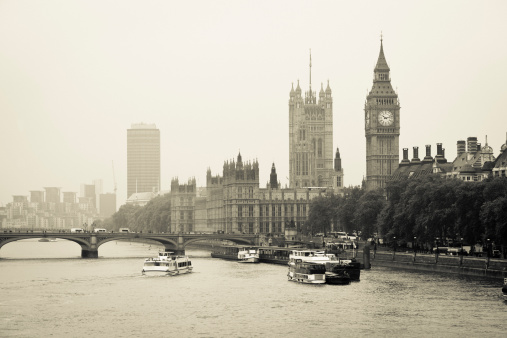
[47, 290]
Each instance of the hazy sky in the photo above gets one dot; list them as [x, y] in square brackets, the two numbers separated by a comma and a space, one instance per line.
[215, 77]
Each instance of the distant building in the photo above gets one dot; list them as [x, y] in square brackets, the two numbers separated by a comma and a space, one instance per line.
[382, 126]
[311, 139]
[107, 204]
[37, 196]
[143, 159]
[500, 168]
[472, 163]
[52, 195]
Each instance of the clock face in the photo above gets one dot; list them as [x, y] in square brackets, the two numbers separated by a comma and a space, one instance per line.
[385, 118]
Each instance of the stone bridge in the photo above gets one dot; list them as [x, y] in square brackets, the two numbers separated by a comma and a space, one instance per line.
[90, 241]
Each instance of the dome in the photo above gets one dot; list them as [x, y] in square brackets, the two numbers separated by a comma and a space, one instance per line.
[487, 150]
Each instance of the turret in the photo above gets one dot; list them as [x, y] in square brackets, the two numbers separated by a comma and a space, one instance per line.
[273, 179]
[337, 161]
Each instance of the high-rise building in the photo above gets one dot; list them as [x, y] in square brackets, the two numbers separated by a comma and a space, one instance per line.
[382, 126]
[107, 204]
[311, 138]
[52, 194]
[143, 159]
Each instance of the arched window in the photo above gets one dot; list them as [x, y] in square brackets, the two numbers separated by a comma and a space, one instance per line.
[319, 150]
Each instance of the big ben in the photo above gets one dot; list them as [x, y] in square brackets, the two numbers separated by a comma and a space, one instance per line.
[382, 126]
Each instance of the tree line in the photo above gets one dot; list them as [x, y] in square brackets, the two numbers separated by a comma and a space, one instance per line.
[429, 209]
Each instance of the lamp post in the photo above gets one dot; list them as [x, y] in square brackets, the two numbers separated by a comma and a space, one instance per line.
[414, 244]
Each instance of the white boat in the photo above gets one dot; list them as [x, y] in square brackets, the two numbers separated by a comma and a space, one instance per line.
[308, 255]
[248, 255]
[167, 263]
[307, 272]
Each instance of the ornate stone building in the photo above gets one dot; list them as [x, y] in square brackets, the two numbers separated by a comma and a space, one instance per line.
[311, 139]
[382, 126]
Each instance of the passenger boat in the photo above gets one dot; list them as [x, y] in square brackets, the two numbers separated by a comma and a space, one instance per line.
[167, 263]
[248, 255]
[307, 272]
[240, 253]
[504, 289]
[308, 255]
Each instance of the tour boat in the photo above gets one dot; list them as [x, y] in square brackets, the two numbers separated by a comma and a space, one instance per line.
[167, 263]
[307, 255]
[504, 289]
[248, 255]
[307, 272]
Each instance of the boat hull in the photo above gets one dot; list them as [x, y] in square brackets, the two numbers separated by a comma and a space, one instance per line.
[249, 260]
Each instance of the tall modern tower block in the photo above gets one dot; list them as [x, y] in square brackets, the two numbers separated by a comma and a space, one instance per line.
[143, 159]
[381, 126]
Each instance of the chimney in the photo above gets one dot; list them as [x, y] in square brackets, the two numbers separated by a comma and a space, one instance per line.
[405, 160]
[416, 155]
[472, 145]
[428, 157]
[440, 157]
[461, 147]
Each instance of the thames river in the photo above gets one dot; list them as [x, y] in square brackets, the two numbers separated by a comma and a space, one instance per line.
[47, 290]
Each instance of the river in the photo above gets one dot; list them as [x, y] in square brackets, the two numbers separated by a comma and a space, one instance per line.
[47, 290]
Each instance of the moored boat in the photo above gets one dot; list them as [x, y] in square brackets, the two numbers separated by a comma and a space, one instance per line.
[248, 255]
[504, 289]
[308, 255]
[307, 272]
[337, 276]
[167, 263]
[350, 266]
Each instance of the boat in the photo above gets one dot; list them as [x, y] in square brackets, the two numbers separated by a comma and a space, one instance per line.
[350, 266]
[240, 253]
[44, 239]
[308, 255]
[307, 272]
[248, 255]
[337, 276]
[167, 263]
[504, 289]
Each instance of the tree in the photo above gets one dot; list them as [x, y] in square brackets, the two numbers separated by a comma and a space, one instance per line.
[369, 206]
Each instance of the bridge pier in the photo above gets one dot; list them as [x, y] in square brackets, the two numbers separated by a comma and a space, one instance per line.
[89, 253]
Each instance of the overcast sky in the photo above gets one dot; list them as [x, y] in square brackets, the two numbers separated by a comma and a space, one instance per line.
[215, 76]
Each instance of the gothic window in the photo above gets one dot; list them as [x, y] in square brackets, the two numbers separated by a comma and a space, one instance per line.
[314, 146]
[250, 211]
[240, 211]
[319, 150]
[240, 192]
[329, 105]
[250, 192]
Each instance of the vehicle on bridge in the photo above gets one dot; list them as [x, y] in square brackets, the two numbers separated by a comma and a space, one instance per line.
[167, 263]
[99, 230]
[76, 230]
[124, 230]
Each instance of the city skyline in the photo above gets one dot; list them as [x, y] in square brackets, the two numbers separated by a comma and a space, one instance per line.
[215, 79]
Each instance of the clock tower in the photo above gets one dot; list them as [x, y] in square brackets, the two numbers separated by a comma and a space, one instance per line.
[382, 126]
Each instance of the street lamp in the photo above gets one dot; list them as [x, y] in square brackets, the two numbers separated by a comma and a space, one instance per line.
[414, 244]
[394, 243]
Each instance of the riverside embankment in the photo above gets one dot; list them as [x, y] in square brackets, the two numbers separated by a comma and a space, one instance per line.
[464, 265]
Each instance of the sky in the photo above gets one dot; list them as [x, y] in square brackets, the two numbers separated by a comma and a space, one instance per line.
[215, 77]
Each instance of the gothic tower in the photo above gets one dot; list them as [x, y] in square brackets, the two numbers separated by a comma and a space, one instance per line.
[382, 126]
[311, 137]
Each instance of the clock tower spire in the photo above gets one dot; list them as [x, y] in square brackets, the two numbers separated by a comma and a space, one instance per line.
[382, 126]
